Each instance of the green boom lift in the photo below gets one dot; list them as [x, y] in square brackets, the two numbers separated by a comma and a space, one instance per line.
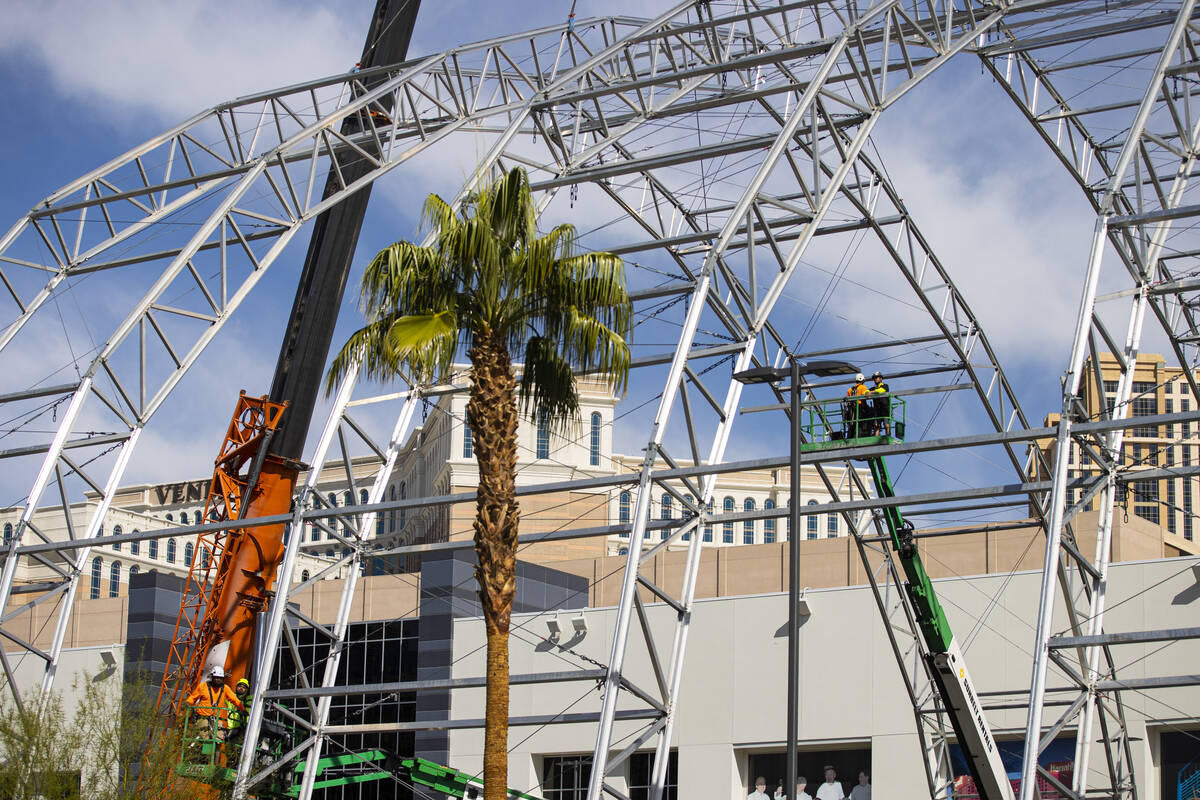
[835, 424]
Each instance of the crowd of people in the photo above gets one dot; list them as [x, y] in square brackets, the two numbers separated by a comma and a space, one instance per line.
[830, 789]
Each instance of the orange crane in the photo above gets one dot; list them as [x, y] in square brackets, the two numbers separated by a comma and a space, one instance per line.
[232, 573]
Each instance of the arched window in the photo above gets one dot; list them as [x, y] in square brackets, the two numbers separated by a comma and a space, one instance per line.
[114, 579]
[117, 532]
[468, 441]
[347, 500]
[197, 517]
[170, 551]
[748, 525]
[624, 511]
[594, 454]
[170, 517]
[330, 521]
[708, 527]
[727, 528]
[789, 520]
[304, 576]
[329, 553]
[831, 525]
[133, 570]
[153, 548]
[543, 436]
[204, 556]
[8, 533]
[392, 513]
[188, 552]
[403, 511]
[768, 524]
[135, 547]
[811, 523]
[97, 573]
[668, 506]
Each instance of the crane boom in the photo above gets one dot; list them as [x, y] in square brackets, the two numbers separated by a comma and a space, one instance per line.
[233, 573]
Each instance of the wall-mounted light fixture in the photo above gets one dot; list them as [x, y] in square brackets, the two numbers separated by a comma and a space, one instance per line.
[579, 623]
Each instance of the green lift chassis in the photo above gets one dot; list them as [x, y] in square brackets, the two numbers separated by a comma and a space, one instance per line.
[836, 424]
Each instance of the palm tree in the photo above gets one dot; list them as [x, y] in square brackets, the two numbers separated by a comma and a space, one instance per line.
[490, 284]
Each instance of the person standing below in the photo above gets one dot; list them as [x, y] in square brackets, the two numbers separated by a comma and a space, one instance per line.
[855, 408]
[863, 790]
[760, 790]
[801, 782]
[831, 789]
[881, 405]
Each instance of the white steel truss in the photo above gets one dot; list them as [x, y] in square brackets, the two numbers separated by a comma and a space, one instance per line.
[636, 119]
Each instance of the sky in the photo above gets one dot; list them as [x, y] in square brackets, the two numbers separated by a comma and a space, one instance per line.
[82, 82]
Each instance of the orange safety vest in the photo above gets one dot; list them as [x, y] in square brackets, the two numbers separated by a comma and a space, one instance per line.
[210, 702]
[856, 390]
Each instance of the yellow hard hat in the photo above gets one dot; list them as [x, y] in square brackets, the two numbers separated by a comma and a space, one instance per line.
[243, 682]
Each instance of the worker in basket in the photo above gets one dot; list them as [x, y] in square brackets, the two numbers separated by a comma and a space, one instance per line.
[239, 716]
[881, 405]
[211, 703]
[855, 409]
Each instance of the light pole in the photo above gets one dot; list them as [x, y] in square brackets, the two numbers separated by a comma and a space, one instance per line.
[794, 371]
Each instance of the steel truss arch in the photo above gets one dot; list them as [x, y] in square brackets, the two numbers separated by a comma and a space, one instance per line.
[591, 105]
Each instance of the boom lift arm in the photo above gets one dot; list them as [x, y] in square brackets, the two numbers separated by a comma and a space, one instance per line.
[948, 666]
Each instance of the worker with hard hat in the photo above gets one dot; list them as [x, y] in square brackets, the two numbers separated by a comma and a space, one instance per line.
[881, 405]
[239, 716]
[211, 701]
[854, 408]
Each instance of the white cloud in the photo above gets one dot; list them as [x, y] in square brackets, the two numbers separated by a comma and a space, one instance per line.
[173, 59]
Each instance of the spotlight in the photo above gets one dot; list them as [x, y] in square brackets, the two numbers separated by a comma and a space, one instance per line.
[579, 623]
[554, 626]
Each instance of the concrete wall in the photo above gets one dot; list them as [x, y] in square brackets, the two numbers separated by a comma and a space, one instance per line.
[734, 698]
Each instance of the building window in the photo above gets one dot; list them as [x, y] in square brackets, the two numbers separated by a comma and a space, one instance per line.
[566, 777]
[304, 576]
[133, 570]
[811, 522]
[788, 527]
[543, 436]
[708, 528]
[8, 533]
[117, 532]
[668, 509]
[1145, 500]
[624, 513]
[97, 572]
[640, 767]
[188, 552]
[1171, 507]
[203, 557]
[831, 525]
[392, 513]
[170, 518]
[768, 524]
[114, 579]
[468, 441]
[330, 521]
[170, 551]
[1144, 403]
[594, 449]
[748, 525]
[135, 547]
[684, 508]
[152, 548]
[727, 527]
[403, 511]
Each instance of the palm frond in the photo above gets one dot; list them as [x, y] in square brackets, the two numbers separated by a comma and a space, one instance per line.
[548, 386]
[407, 279]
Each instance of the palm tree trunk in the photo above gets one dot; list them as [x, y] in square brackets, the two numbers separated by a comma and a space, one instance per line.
[492, 414]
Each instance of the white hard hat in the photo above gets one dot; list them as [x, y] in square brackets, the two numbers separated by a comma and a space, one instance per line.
[217, 672]
[858, 377]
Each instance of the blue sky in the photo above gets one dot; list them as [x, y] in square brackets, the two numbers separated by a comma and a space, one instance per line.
[81, 83]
